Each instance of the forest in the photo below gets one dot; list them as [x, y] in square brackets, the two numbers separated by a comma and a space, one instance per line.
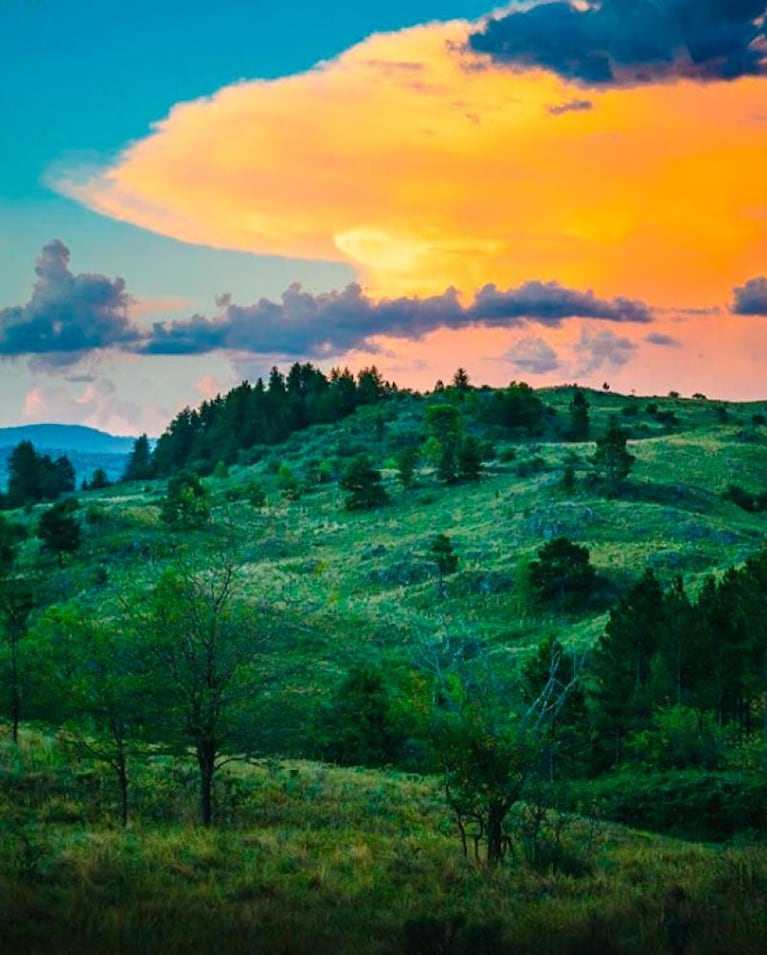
[338, 665]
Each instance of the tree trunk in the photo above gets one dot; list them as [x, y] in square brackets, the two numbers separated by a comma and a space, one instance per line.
[206, 760]
[15, 691]
[121, 770]
[496, 813]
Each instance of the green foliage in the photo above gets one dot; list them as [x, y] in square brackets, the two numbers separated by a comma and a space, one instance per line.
[563, 574]
[517, 408]
[407, 460]
[678, 737]
[185, 506]
[364, 484]
[360, 726]
[579, 416]
[442, 554]
[612, 462]
[33, 477]
[59, 530]
[202, 645]
[255, 494]
[469, 457]
[9, 545]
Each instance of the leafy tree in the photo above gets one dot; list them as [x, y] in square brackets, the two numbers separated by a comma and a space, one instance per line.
[562, 574]
[203, 641]
[469, 458]
[407, 459]
[612, 461]
[59, 530]
[517, 408]
[139, 466]
[16, 605]
[363, 482]
[185, 506]
[442, 554]
[94, 677]
[490, 742]
[360, 726]
[579, 416]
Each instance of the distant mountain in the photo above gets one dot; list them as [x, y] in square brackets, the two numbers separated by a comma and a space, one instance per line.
[66, 437]
[86, 448]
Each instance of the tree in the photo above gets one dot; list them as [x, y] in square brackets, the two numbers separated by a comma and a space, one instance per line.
[622, 661]
[579, 416]
[203, 640]
[94, 679]
[491, 743]
[363, 482]
[59, 530]
[562, 574]
[442, 554]
[461, 380]
[469, 459]
[185, 506]
[139, 466]
[9, 545]
[407, 459]
[612, 461]
[99, 481]
[359, 727]
[33, 477]
[16, 605]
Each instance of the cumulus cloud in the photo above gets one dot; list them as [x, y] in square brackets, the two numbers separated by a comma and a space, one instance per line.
[67, 315]
[751, 298]
[533, 356]
[331, 323]
[605, 350]
[626, 42]
[97, 405]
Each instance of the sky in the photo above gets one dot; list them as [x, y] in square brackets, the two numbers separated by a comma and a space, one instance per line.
[548, 191]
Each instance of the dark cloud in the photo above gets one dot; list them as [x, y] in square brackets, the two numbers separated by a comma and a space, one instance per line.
[571, 106]
[549, 303]
[751, 298]
[533, 356]
[334, 322]
[67, 314]
[627, 42]
[658, 338]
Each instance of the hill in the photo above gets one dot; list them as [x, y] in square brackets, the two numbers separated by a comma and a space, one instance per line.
[87, 448]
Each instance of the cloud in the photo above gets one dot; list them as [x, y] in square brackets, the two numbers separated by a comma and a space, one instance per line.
[331, 323]
[605, 350]
[571, 106]
[659, 338]
[533, 356]
[549, 303]
[422, 165]
[97, 405]
[751, 298]
[626, 42]
[67, 315]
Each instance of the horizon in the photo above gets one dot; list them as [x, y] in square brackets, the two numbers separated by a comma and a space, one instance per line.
[396, 185]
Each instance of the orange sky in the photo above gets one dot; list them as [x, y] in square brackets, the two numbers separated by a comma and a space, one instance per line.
[424, 168]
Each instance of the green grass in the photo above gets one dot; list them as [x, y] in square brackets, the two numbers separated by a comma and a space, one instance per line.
[320, 859]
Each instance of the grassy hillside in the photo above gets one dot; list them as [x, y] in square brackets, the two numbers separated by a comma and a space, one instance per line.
[317, 858]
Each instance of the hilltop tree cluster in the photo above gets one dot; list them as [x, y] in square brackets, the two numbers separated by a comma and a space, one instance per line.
[34, 477]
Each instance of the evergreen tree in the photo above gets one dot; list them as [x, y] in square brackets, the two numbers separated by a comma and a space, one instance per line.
[363, 482]
[469, 457]
[139, 466]
[612, 461]
[442, 554]
[185, 506]
[59, 530]
[579, 417]
[562, 574]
